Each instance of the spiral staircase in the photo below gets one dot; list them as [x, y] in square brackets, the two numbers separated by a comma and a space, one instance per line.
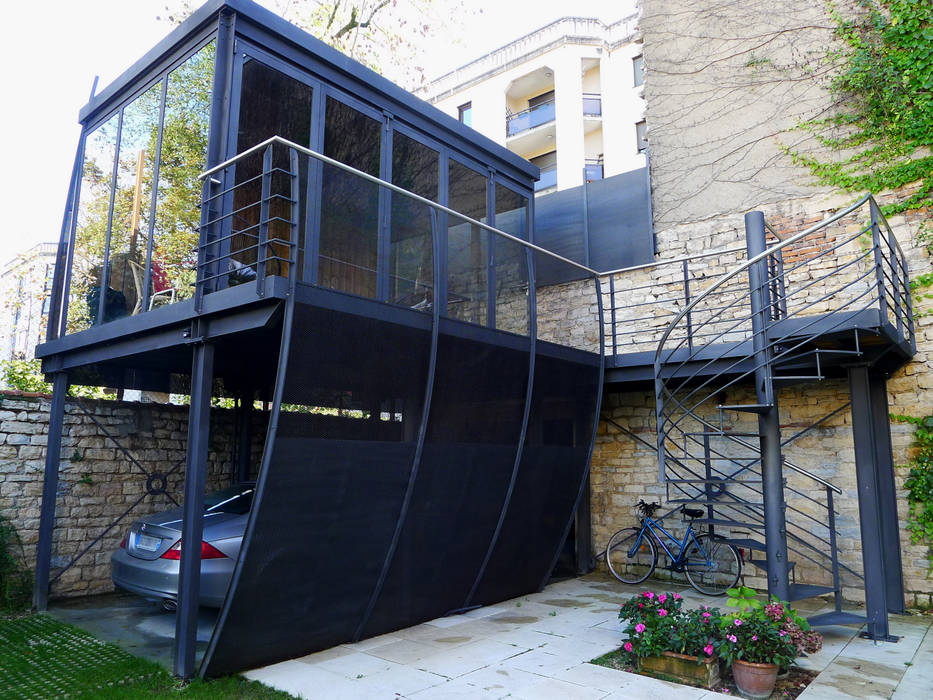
[828, 304]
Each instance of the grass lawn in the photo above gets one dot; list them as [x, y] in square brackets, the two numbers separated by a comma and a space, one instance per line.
[42, 658]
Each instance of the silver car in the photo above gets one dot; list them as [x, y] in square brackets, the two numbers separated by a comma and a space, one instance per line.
[147, 561]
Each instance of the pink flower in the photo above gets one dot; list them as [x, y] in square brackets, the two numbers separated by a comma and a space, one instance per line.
[706, 615]
[641, 605]
[708, 649]
[639, 628]
[648, 594]
[662, 597]
[737, 622]
[732, 638]
[754, 637]
[627, 646]
[783, 633]
[662, 612]
[677, 596]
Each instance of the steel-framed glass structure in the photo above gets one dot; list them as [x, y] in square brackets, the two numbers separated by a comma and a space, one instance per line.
[257, 214]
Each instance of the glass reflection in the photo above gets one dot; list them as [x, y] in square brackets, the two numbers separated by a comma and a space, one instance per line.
[415, 167]
[132, 203]
[467, 247]
[511, 262]
[349, 242]
[183, 157]
[90, 238]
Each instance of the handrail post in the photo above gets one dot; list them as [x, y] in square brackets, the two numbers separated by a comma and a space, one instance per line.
[833, 552]
[896, 281]
[264, 221]
[687, 305]
[294, 231]
[879, 271]
[768, 426]
[612, 311]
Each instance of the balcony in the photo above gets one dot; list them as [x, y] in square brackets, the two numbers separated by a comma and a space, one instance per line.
[548, 179]
[530, 118]
[592, 105]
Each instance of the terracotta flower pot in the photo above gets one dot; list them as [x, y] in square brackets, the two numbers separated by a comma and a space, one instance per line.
[755, 681]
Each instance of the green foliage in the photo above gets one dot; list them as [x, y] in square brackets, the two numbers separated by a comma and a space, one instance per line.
[657, 623]
[919, 484]
[883, 126]
[764, 634]
[15, 577]
[743, 598]
[26, 375]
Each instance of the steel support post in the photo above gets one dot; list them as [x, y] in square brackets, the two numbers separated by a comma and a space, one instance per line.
[53, 452]
[871, 510]
[199, 413]
[887, 493]
[772, 462]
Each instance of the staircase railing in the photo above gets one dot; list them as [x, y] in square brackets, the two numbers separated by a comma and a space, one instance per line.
[819, 283]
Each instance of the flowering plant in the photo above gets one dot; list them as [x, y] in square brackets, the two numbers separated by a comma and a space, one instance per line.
[759, 633]
[657, 623]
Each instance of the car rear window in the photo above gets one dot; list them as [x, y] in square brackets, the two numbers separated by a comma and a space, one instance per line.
[235, 500]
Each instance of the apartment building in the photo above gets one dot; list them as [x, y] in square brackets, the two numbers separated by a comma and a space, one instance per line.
[25, 285]
[567, 97]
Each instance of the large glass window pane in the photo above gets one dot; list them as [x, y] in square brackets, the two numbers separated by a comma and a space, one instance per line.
[349, 242]
[415, 167]
[183, 158]
[511, 262]
[467, 247]
[91, 226]
[271, 104]
[133, 201]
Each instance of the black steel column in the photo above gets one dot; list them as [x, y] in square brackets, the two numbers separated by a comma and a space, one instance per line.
[772, 462]
[189, 582]
[53, 451]
[887, 493]
[869, 502]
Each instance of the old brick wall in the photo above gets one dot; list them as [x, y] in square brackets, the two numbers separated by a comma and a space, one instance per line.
[97, 482]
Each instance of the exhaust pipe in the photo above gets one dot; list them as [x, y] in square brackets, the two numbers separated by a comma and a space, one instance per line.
[168, 605]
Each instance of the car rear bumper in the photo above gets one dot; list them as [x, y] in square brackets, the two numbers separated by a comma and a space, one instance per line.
[158, 579]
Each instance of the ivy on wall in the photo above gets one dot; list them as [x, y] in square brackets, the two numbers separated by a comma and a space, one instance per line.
[919, 484]
[881, 129]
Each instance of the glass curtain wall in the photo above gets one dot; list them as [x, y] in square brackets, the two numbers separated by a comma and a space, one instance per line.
[127, 257]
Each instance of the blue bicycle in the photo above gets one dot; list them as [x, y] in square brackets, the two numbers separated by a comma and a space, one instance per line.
[711, 564]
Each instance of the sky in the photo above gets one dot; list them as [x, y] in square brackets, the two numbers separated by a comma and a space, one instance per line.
[50, 52]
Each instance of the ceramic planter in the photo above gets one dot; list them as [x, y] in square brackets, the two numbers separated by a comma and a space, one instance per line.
[755, 681]
[684, 668]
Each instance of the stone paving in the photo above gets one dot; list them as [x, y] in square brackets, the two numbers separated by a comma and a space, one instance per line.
[538, 647]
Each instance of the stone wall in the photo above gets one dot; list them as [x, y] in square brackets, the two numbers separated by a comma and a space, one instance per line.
[97, 481]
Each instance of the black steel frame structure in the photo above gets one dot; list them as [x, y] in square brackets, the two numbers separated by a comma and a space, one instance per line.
[460, 435]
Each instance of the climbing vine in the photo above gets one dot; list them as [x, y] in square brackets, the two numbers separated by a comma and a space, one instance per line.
[881, 128]
[919, 484]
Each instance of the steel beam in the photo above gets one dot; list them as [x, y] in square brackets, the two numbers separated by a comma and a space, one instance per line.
[871, 510]
[189, 581]
[53, 451]
[768, 426]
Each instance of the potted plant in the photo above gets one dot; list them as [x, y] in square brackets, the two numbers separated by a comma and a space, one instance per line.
[664, 638]
[758, 640]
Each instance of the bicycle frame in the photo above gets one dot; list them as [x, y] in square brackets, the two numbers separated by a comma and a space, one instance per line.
[654, 527]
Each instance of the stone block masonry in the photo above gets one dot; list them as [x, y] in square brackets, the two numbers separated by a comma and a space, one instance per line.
[98, 483]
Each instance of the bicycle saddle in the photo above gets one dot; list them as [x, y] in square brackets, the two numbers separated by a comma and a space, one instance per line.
[691, 512]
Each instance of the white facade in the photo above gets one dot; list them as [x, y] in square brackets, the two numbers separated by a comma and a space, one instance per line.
[566, 93]
[25, 292]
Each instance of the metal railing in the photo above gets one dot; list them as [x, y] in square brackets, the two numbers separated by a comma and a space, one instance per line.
[816, 282]
[527, 119]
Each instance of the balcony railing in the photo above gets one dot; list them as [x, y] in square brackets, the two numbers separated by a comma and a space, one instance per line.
[593, 170]
[548, 179]
[529, 118]
[592, 105]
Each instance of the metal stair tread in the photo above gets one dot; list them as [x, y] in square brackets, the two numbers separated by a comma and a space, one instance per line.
[763, 564]
[836, 617]
[723, 433]
[799, 591]
[747, 544]
[746, 407]
[730, 523]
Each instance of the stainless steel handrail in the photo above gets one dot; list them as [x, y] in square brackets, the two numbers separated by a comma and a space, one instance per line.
[394, 188]
[672, 261]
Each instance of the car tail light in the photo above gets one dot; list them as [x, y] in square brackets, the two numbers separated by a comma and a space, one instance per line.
[123, 542]
[208, 551]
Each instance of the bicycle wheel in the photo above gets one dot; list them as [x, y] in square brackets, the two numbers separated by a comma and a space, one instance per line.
[712, 565]
[631, 566]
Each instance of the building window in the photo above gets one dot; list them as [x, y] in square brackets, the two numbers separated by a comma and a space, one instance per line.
[466, 113]
[641, 135]
[638, 69]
